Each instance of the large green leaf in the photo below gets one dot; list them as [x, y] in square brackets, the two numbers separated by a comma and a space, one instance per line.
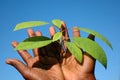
[92, 48]
[74, 50]
[57, 36]
[57, 23]
[97, 35]
[29, 24]
[33, 42]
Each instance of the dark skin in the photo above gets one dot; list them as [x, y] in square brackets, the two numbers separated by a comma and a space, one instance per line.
[52, 63]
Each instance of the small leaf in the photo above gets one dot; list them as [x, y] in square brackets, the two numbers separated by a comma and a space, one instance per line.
[92, 48]
[74, 50]
[97, 35]
[57, 36]
[29, 24]
[57, 23]
[33, 42]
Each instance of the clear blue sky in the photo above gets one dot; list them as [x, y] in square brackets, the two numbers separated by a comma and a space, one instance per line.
[102, 16]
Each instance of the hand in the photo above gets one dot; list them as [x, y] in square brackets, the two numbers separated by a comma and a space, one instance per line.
[43, 66]
[72, 69]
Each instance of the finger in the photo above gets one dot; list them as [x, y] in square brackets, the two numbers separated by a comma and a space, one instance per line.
[22, 68]
[38, 33]
[76, 32]
[52, 31]
[65, 36]
[89, 61]
[91, 36]
[23, 53]
[56, 47]
[31, 33]
[36, 51]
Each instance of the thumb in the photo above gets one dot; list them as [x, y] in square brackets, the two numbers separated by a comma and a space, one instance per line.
[22, 68]
[65, 35]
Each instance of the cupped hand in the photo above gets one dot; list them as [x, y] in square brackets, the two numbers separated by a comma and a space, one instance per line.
[43, 65]
[52, 62]
[72, 69]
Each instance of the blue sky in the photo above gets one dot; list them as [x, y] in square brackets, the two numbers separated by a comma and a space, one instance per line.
[102, 16]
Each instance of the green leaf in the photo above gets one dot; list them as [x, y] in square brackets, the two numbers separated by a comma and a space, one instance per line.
[74, 50]
[97, 35]
[92, 48]
[57, 36]
[33, 42]
[57, 23]
[29, 24]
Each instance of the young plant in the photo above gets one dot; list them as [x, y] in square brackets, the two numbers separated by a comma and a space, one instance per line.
[75, 46]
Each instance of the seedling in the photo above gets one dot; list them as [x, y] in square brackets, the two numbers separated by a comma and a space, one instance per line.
[75, 46]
